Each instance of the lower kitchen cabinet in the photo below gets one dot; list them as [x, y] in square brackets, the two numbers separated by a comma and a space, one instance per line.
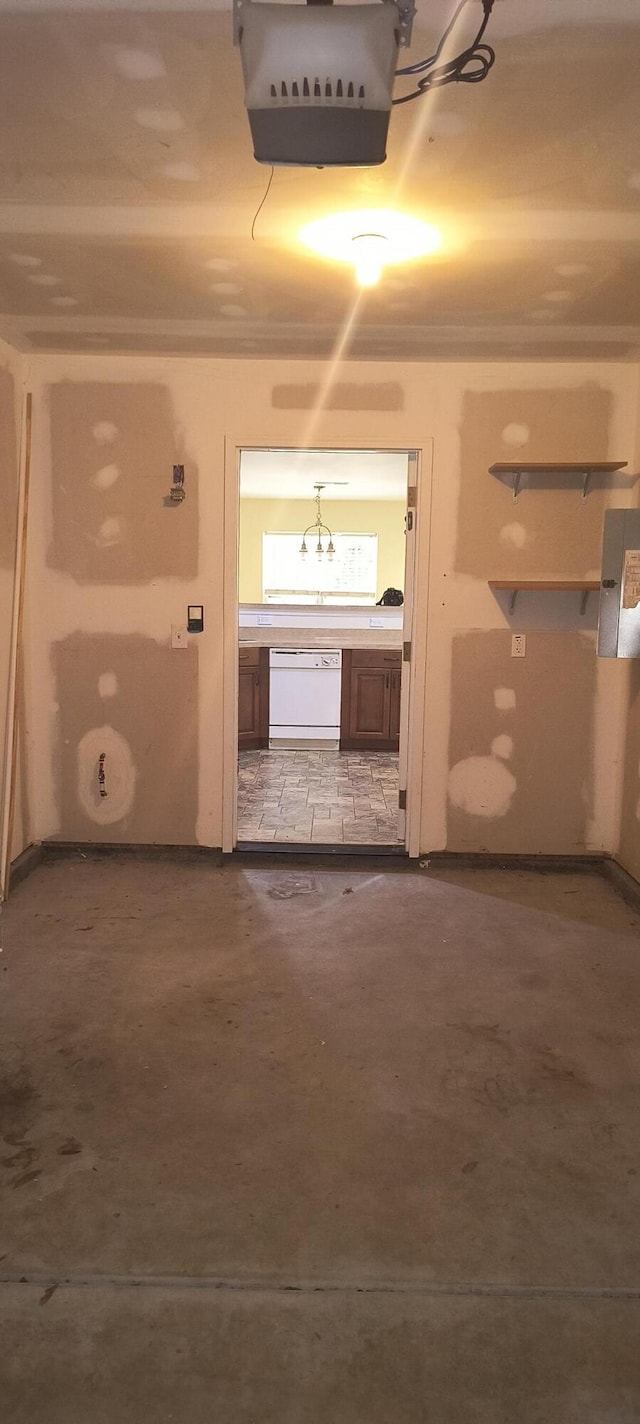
[253, 699]
[370, 708]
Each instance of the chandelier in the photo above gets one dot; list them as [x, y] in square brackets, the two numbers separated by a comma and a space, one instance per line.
[318, 528]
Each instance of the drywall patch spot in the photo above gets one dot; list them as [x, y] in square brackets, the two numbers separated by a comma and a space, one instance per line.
[106, 776]
[25, 259]
[482, 786]
[106, 477]
[161, 120]
[573, 269]
[45, 279]
[226, 289]
[633, 180]
[110, 532]
[502, 746]
[514, 534]
[231, 309]
[505, 699]
[447, 125]
[516, 435]
[64, 301]
[182, 172]
[107, 684]
[104, 432]
[559, 296]
[137, 63]
[220, 264]
[387, 395]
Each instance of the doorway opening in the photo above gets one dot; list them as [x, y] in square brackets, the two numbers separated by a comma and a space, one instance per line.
[325, 602]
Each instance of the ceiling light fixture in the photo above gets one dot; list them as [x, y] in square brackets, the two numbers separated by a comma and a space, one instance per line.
[371, 240]
[318, 528]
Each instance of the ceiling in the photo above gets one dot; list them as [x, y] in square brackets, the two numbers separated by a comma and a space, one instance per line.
[128, 190]
[345, 474]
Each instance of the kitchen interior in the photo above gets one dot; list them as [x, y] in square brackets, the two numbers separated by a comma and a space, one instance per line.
[321, 542]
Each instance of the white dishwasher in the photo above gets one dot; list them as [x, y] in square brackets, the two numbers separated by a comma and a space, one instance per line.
[304, 697]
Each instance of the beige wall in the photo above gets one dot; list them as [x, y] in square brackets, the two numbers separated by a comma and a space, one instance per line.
[506, 744]
[10, 414]
[382, 517]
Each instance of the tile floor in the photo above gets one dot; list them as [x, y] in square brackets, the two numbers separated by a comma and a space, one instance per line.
[317, 796]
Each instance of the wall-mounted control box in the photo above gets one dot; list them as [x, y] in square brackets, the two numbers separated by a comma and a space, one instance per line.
[619, 620]
[195, 618]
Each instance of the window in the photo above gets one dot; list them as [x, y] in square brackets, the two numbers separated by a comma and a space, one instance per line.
[351, 576]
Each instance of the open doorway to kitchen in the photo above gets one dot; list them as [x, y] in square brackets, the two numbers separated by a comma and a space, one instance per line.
[325, 599]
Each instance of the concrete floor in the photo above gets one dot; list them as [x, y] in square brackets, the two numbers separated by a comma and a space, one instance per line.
[297, 1145]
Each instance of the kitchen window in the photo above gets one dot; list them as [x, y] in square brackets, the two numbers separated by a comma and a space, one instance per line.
[350, 577]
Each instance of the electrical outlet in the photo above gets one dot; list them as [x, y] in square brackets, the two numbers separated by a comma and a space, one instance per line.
[518, 645]
[179, 637]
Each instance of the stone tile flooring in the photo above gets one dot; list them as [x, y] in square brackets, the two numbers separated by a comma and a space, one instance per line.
[317, 796]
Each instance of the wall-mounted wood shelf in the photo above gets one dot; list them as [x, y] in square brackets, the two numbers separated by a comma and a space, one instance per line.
[517, 469]
[516, 586]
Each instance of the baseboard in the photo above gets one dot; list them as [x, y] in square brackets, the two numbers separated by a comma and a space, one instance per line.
[29, 859]
[489, 860]
[104, 850]
[623, 882]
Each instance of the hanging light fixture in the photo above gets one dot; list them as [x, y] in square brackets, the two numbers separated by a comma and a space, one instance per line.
[318, 528]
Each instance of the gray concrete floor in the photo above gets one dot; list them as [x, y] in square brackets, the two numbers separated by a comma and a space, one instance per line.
[305, 1146]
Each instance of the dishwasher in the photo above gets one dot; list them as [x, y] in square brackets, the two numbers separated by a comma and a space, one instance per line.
[304, 697]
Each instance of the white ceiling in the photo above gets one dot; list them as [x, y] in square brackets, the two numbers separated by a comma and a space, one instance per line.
[347, 474]
[128, 190]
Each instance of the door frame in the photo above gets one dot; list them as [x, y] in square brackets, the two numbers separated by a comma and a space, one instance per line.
[413, 714]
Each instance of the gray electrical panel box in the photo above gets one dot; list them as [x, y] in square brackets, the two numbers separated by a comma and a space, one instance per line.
[619, 621]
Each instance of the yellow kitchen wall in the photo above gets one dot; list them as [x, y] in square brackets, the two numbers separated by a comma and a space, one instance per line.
[519, 755]
[382, 517]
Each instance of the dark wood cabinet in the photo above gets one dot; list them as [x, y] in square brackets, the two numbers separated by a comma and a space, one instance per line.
[370, 710]
[253, 699]
[394, 710]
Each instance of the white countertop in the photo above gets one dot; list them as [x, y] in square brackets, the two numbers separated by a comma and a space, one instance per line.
[319, 626]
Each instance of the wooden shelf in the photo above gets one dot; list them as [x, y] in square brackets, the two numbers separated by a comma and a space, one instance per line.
[516, 586]
[516, 469]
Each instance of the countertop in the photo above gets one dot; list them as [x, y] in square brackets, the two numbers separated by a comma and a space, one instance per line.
[320, 637]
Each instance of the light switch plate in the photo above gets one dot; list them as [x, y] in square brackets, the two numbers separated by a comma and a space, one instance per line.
[179, 637]
[518, 645]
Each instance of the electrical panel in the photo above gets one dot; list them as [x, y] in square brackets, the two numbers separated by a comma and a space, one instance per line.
[619, 621]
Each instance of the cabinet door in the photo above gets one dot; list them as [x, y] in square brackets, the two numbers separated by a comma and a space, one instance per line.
[253, 701]
[248, 706]
[370, 702]
[394, 711]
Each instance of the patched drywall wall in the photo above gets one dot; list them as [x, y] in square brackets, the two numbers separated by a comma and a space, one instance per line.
[341, 395]
[11, 371]
[549, 530]
[127, 747]
[112, 451]
[559, 741]
[8, 527]
[521, 744]
[382, 517]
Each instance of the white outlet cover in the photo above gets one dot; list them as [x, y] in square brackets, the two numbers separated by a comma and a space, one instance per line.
[518, 645]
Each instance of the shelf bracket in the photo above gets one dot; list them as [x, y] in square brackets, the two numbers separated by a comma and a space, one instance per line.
[512, 600]
[584, 599]
[585, 483]
[517, 476]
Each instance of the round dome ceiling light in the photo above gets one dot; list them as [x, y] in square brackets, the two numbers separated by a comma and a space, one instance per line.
[371, 239]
